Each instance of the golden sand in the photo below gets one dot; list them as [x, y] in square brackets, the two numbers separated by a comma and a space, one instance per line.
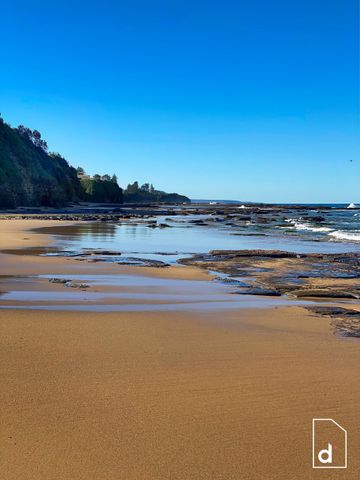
[159, 396]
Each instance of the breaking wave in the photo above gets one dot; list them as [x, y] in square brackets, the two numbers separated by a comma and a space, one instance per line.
[299, 225]
[341, 235]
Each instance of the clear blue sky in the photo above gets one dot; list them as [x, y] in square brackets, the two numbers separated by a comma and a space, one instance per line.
[254, 100]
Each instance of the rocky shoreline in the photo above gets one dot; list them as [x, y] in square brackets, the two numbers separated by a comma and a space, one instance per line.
[259, 213]
[276, 272]
[345, 321]
[321, 277]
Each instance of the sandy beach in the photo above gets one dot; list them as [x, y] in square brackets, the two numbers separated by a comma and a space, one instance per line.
[166, 395]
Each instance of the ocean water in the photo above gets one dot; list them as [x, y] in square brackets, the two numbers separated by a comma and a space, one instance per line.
[317, 229]
[342, 225]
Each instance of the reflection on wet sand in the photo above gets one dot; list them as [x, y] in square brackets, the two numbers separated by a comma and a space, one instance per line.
[124, 293]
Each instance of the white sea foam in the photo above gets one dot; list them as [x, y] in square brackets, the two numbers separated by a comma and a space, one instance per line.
[342, 235]
[298, 225]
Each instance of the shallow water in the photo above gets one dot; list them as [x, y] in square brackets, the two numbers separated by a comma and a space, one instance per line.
[137, 239]
[129, 293]
[249, 302]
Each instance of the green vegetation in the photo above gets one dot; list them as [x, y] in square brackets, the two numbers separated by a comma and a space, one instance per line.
[147, 194]
[102, 189]
[31, 176]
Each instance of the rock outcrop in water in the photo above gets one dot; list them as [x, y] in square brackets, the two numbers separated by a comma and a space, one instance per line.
[274, 272]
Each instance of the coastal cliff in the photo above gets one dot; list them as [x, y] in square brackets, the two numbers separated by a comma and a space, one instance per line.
[29, 175]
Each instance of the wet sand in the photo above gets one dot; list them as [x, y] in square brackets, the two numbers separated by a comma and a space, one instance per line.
[159, 395]
[18, 234]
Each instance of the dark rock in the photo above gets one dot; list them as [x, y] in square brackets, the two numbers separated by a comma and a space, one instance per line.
[59, 280]
[144, 262]
[323, 293]
[345, 321]
[81, 286]
[103, 253]
[333, 311]
[253, 253]
[197, 222]
[268, 292]
[262, 220]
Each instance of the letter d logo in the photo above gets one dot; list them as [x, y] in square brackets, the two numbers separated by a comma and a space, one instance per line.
[325, 456]
[329, 444]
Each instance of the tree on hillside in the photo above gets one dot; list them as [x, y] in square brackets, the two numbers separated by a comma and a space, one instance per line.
[24, 132]
[59, 157]
[97, 177]
[114, 178]
[80, 171]
[132, 187]
[145, 187]
[38, 141]
[106, 178]
[34, 136]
